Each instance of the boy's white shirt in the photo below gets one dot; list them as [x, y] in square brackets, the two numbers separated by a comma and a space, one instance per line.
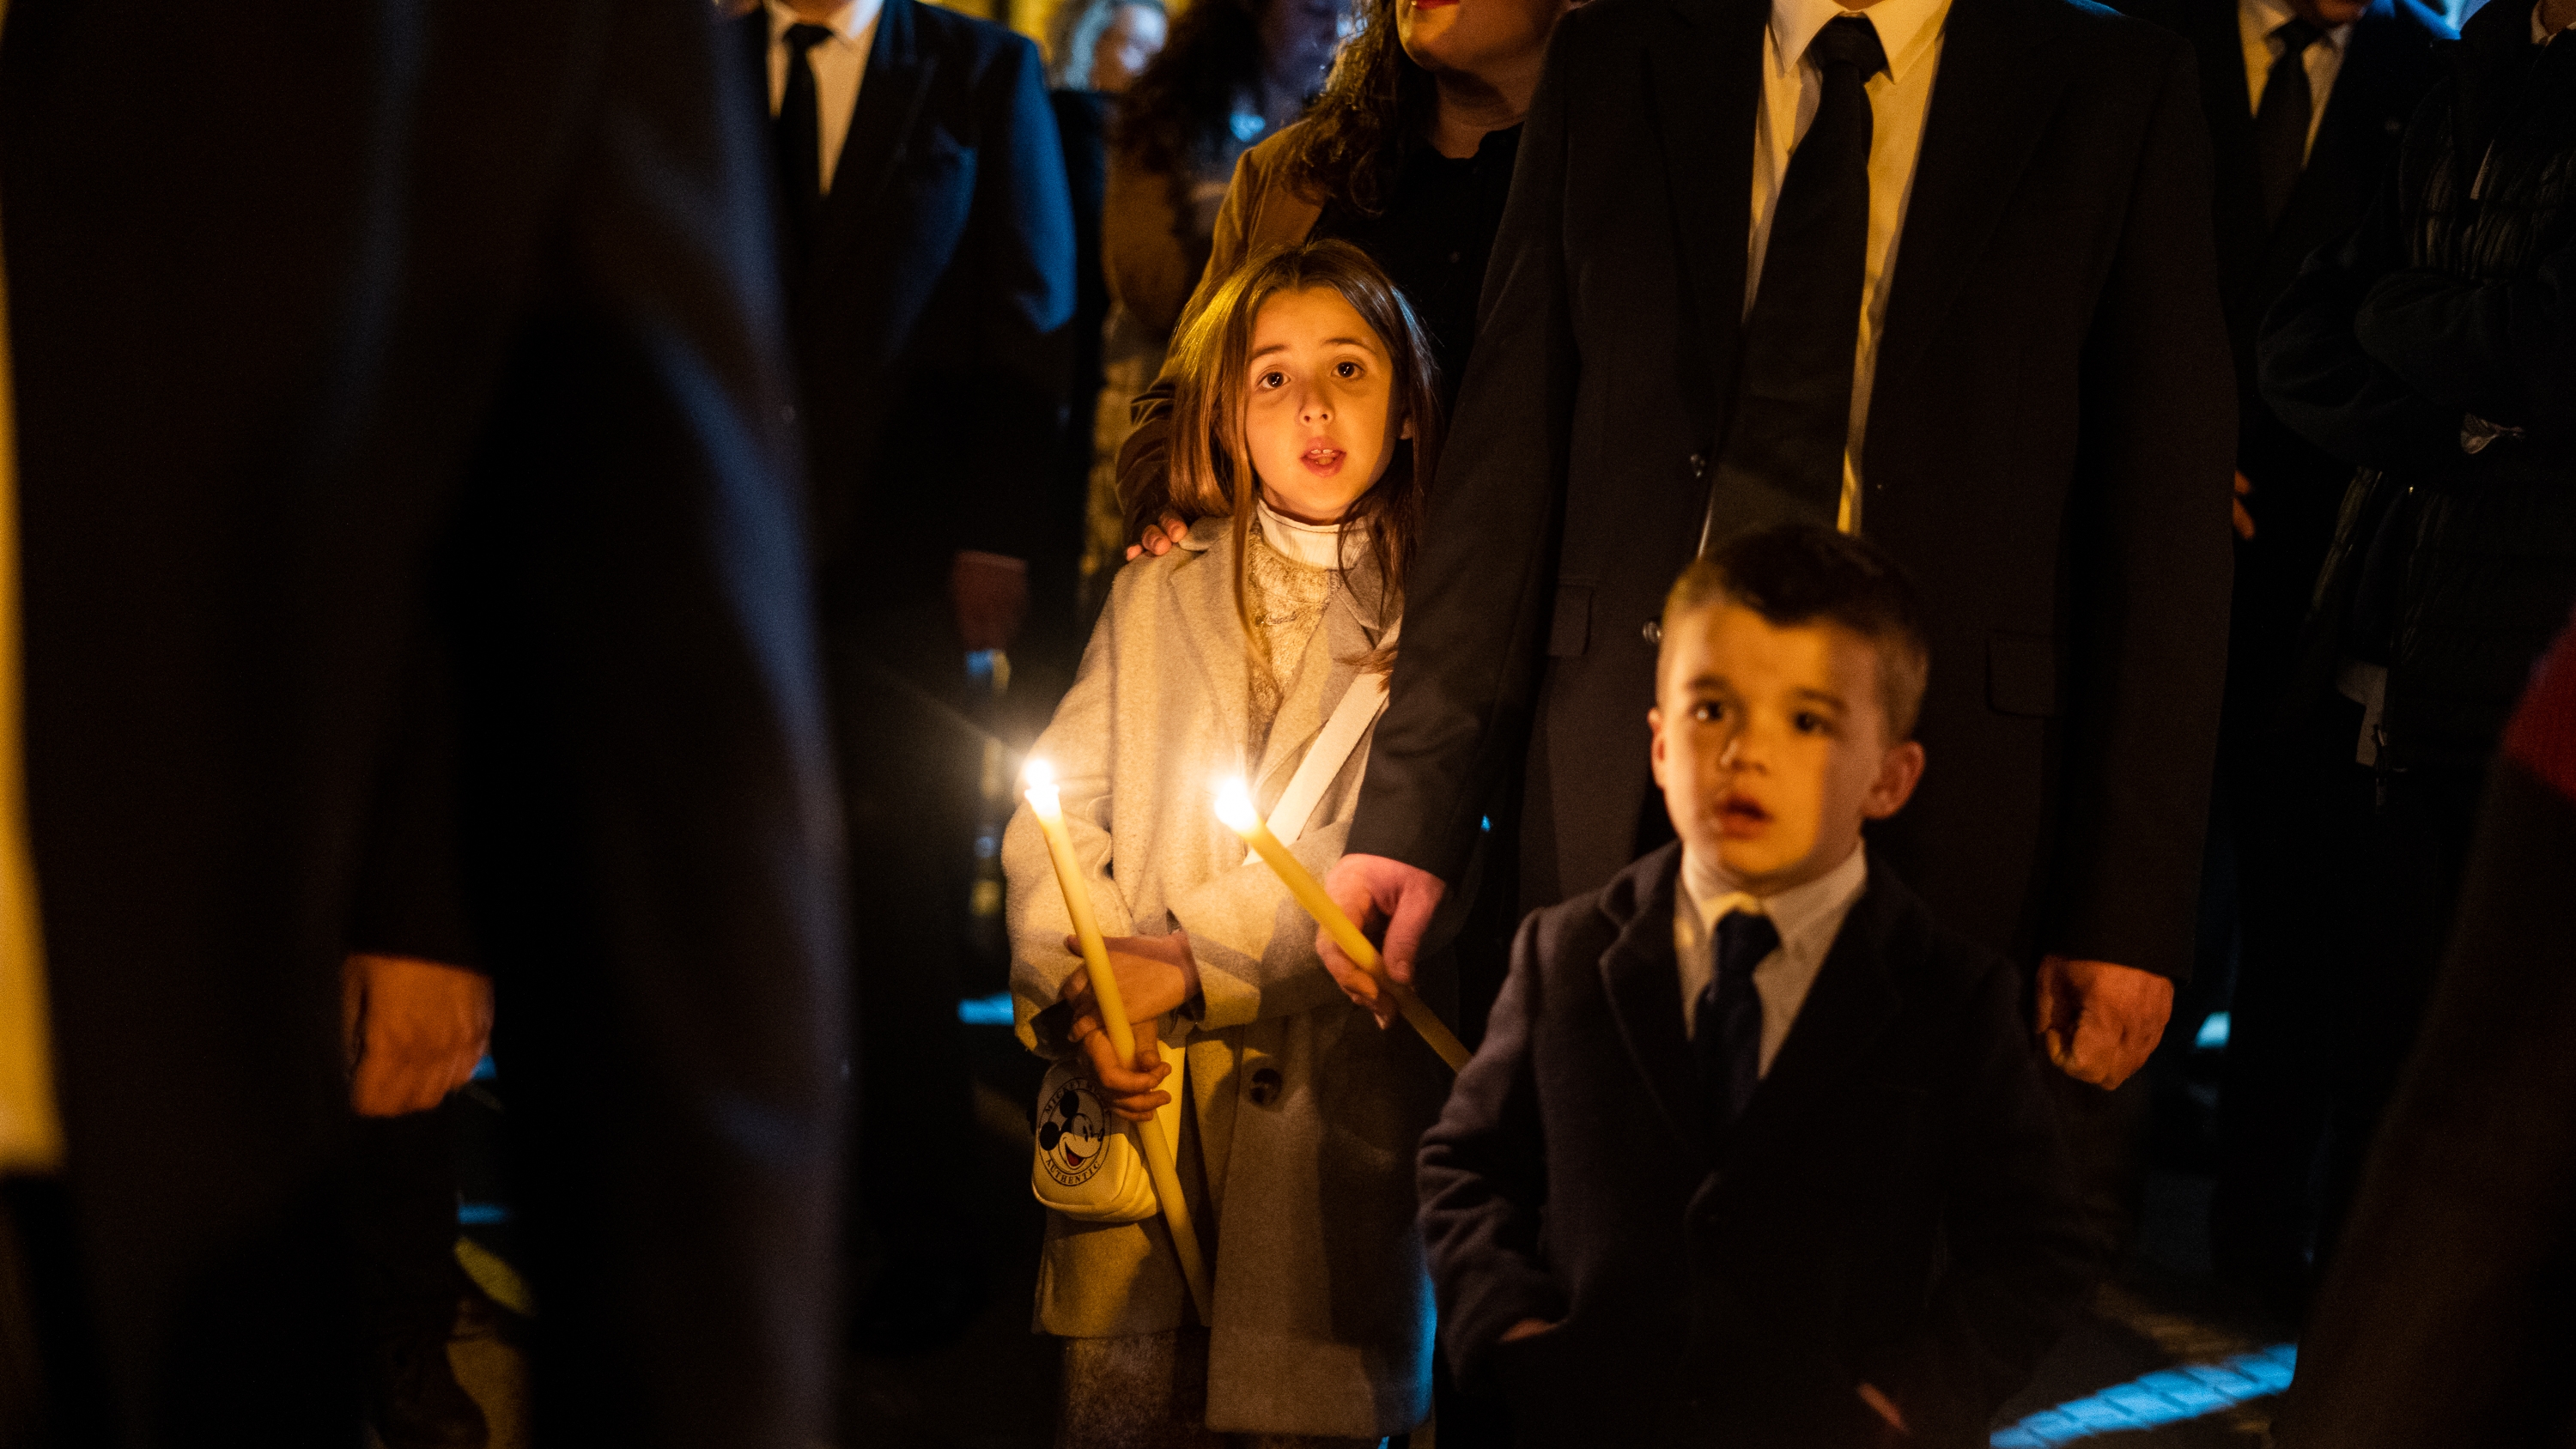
[1808, 918]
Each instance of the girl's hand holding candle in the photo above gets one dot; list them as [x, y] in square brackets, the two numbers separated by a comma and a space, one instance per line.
[1118, 1026]
[1155, 974]
[1234, 807]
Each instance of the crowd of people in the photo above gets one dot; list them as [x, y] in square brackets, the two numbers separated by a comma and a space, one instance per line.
[1797, 570]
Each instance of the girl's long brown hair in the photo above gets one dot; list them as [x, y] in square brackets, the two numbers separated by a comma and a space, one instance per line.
[1211, 465]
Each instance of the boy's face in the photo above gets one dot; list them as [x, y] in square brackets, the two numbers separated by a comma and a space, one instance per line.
[1771, 744]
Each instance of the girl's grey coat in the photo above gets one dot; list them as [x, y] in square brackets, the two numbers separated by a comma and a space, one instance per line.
[1298, 1146]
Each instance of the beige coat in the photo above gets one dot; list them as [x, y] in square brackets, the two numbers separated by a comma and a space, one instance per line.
[1299, 1139]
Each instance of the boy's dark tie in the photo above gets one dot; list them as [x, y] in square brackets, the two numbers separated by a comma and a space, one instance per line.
[1727, 1038]
[2281, 122]
[1793, 409]
[800, 127]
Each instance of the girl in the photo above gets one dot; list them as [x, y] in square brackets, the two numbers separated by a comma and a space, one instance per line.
[1307, 424]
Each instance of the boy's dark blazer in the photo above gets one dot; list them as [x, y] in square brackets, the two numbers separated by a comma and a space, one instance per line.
[1893, 1207]
[930, 303]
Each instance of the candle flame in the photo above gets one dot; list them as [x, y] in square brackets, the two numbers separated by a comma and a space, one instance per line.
[1234, 806]
[1037, 774]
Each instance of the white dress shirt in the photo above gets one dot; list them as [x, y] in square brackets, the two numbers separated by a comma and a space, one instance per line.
[2255, 22]
[1808, 918]
[1910, 32]
[839, 64]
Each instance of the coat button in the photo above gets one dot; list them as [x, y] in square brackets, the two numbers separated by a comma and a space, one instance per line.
[1266, 1083]
[1653, 631]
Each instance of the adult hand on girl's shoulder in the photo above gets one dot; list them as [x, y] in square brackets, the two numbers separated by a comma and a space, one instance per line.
[1158, 540]
[1377, 890]
[1129, 1092]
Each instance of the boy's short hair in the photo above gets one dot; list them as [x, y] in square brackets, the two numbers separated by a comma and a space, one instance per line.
[1806, 573]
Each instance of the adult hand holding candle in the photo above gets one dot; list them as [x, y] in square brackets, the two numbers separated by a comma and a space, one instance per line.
[1234, 807]
[1048, 807]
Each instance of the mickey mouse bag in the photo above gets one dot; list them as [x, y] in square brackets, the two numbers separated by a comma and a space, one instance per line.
[1088, 1166]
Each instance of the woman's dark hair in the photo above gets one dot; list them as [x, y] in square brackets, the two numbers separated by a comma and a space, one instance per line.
[1180, 111]
[1375, 102]
[1212, 469]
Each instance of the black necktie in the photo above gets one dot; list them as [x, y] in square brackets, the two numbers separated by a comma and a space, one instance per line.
[2281, 122]
[1793, 403]
[800, 127]
[1726, 1036]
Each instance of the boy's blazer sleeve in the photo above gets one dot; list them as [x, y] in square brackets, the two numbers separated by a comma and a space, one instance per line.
[1078, 744]
[1483, 1178]
[2021, 1253]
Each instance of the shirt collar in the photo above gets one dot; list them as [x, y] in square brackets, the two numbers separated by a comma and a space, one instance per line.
[2271, 15]
[1799, 913]
[849, 22]
[1317, 545]
[1907, 29]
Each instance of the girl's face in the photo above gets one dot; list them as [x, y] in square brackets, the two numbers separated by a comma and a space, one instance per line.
[1318, 413]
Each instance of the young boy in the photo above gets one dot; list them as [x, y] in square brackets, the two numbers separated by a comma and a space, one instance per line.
[1754, 1153]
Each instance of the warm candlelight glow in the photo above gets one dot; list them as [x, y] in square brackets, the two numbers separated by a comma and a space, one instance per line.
[1234, 806]
[1039, 776]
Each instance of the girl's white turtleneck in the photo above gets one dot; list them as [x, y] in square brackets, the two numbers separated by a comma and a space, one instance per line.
[1316, 545]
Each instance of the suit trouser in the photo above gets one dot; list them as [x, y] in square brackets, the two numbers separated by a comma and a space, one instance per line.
[909, 760]
[2349, 880]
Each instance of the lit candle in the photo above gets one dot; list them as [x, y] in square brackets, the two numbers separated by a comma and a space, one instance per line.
[1234, 807]
[1049, 809]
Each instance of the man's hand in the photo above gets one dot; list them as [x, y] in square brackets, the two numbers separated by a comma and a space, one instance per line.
[1374, 890]
[2099, 1021]
[1158, 540]
[1130, 1093]
[991, 595]
[2244, 490]
[414, 1031]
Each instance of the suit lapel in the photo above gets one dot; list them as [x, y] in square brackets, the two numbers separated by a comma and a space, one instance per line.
[1706, 89]
[1642, 978]
[1991, 101]
[890, 95]
[2353, 108]
[1846, 1011]
[751, 40]
[2219, 53]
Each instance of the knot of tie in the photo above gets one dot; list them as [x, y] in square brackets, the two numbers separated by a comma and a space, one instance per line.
[1849, 40]
[2296, 36]
[1743, 939]
[802, 37]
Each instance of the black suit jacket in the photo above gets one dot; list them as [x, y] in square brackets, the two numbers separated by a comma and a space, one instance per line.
[930, 310]
[2048, 452]
[1892, 1208]
[2388, 65]
[391, 363]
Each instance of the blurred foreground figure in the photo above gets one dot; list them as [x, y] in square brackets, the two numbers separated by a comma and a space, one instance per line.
[928, 250]
[410, 556]
[2445, 1317]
